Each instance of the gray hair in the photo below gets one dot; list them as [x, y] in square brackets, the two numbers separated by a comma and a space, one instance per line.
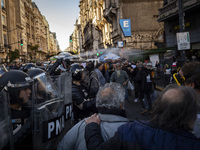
[112, 95]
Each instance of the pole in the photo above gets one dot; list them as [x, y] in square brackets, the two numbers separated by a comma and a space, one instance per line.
[181, 23]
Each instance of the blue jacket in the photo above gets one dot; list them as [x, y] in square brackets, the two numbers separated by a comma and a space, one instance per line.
[136, 135]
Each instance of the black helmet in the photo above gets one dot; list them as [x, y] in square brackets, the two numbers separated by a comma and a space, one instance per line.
[76, 70]
[34, 72]
[14, 81]
[28, 66]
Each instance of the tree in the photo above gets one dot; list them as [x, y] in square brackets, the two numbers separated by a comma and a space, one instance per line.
[34, 49]
[13, 55]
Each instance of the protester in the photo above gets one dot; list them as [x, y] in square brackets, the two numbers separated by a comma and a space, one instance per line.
[136, 83]
[190, 75]
[120, 76]
[98, 69]
[170, 127]
[82, 105]
[110, 101]
[97, 80]
[144, 88]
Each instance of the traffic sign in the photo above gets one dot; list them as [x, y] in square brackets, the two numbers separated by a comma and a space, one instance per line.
[183, 40]
[120, 44]
[125, 26]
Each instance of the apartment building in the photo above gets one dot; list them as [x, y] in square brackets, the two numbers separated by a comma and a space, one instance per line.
[95, 29]
[3, 29]
[169, 14]
[100, 24]
[25, 30]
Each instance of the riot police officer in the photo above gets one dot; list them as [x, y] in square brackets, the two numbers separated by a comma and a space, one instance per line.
[82, 105]
[19, 87]
[43, 92]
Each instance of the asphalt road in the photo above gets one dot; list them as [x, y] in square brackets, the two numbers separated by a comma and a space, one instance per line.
[133, 109]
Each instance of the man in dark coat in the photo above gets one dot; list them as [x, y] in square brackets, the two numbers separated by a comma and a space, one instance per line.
[144, 87]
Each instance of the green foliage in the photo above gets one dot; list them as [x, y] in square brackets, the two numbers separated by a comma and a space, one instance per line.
[34, 47]
[13, 55]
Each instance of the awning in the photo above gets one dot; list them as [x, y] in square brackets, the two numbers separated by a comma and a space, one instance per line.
[158, 51]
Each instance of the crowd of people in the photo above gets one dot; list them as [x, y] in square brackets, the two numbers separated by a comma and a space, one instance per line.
[99, 94]
[122, 71]
[174, 114]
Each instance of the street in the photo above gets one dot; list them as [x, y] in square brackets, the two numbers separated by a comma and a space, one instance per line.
[133, 109]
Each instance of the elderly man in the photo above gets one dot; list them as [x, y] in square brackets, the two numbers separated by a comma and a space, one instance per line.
[109, 102]
[173, 119]
[120, 76]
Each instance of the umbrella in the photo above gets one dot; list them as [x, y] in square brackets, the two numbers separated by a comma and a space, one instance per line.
[108, 56]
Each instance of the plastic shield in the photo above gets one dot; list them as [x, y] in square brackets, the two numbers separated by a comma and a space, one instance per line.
[64, 84]
[6, 140]
[48, 114]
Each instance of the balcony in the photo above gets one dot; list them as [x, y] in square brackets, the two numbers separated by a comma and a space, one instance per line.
[3, 8]
[114, 34]
[4, 27]
[101, 2]
[110, 10]
[171, 9]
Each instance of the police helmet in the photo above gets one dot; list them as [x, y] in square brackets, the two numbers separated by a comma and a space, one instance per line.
[14, 81]
[34, 72]
[28, 66]
[76, 70]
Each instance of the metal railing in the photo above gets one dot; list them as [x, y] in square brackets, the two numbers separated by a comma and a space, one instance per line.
[112, 5]
[173, 6]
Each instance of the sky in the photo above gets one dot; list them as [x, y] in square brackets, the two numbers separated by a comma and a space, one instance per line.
[61, 16]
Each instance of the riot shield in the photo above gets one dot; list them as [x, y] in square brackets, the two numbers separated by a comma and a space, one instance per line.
[64, 84]
[48, 114]
[6, 140]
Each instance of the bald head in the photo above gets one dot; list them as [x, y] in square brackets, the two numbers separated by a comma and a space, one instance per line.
[176, 109]
[172, 96]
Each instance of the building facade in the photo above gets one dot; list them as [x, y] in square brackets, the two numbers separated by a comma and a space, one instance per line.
[100, 24]
[25, 30]
[169, 14]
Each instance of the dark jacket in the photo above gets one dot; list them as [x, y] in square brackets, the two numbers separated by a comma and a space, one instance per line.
[22, 136]
[141, 79]
[136, 135]
[82, 107]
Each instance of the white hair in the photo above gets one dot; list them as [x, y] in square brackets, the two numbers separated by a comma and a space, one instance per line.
[112, 95]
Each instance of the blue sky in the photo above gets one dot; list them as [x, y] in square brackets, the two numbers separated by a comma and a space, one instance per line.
[61, 16]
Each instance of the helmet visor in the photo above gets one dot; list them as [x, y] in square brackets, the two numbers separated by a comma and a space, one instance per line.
[45, 89]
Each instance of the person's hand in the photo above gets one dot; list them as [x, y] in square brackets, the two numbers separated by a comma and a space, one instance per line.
[94, 118]
[125, 83]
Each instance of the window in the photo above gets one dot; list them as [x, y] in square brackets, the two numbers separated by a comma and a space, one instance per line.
[3, 20]
[2, 3]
